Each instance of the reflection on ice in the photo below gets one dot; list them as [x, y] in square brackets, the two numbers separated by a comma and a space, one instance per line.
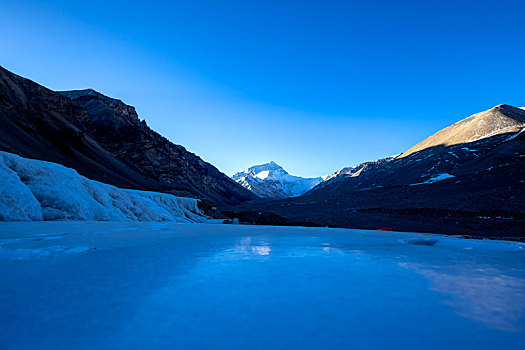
[484, 295]
[329, 249]
[261, 250]
[245, 246]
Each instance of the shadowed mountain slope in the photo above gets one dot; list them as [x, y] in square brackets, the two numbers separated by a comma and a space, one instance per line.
[103, 139]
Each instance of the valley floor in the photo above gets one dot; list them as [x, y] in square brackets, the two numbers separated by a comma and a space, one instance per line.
[107, 285]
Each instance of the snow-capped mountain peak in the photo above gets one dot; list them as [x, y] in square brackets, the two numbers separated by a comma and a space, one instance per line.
[265, 171]
[270, 180]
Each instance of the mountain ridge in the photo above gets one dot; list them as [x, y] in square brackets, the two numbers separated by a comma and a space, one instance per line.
[477, 126]
[450, 144]
[467, 180]
[270, 180]
[103, 139]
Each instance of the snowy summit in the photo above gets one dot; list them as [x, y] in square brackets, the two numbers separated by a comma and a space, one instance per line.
[270, 180]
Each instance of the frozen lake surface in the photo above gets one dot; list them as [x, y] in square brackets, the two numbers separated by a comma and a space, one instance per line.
[78, 285]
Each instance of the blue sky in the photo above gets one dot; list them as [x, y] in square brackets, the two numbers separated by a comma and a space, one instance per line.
[312, 85]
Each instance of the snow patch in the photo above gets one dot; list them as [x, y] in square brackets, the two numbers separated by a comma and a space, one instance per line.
[515, 135]
[436, 178]
[263, 174]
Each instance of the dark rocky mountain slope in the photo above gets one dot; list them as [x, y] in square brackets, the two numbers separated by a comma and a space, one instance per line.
[104, 140]
[468, 178]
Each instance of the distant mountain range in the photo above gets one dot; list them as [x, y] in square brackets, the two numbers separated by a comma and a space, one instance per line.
[270, 180]
[468, 178]
[103, 139]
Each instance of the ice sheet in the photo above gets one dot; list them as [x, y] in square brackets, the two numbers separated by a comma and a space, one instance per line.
[103, 285]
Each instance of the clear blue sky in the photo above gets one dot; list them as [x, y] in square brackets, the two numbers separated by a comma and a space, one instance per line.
[312, 85]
